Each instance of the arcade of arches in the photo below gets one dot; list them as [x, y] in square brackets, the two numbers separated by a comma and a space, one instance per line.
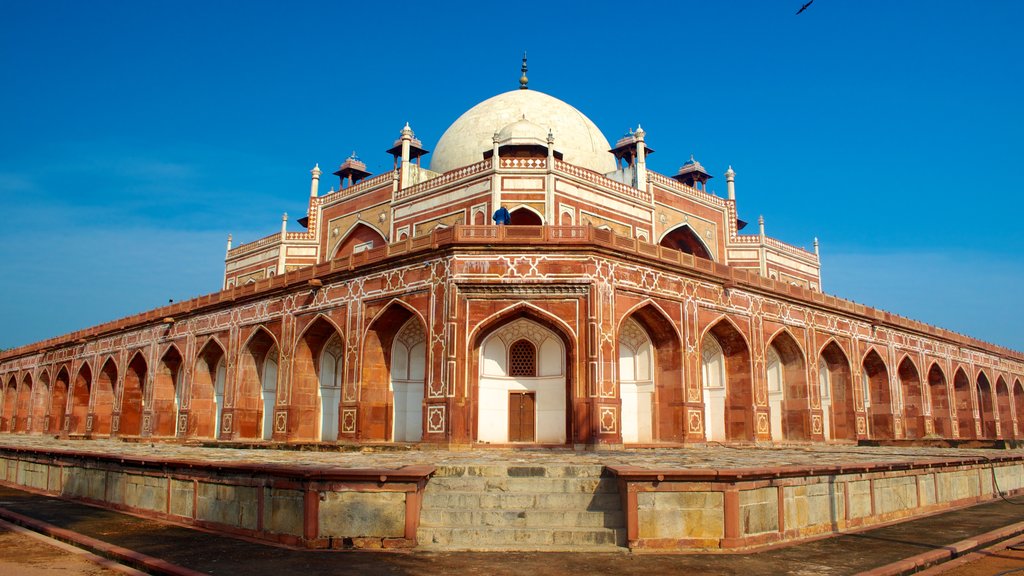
[418, 357]
[522, 385]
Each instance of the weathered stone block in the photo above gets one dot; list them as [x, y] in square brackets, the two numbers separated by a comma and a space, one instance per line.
[283, 511]
[227, 504]
[145, 492]
[860, 498]
[759, 510]
[895, 494]
[812, 505]
[182, 495]
[680, 515]
[360, 514]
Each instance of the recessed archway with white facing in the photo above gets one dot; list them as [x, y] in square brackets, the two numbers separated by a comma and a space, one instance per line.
[522, 385]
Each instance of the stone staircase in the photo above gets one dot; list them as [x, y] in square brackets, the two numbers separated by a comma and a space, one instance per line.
[499, 507]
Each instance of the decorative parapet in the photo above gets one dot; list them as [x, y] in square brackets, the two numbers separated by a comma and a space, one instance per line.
[678, 187]
[364, 186]
[602, 181]
[444, 179]
[774, 243]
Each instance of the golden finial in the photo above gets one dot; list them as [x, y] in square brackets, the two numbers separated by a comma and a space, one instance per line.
[522, 79]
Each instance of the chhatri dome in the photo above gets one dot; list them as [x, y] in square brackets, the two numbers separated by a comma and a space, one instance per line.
[577, 138]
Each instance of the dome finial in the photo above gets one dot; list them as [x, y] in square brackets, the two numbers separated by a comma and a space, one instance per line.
[523, 79]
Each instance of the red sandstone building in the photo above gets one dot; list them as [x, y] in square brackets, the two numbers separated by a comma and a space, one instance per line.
[615, 306]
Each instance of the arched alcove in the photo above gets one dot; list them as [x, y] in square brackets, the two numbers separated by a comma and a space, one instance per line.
[166, 397]
[132, 397]
[308, 381]
[102, 408]
[787, 389]
[256, 371]
[23, 410]
[939, 392]
[1003, 406]
[986, 406]
[524, 217]
[728, 386]
[964, 405]
[59, 400]
[522, 397]
[836, 381]
[206, 401]
[913, 399]
[80, 400]
[359, 238]
[685, 239]
[875, 377]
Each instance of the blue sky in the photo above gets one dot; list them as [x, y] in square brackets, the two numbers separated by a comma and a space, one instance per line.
[134, 136]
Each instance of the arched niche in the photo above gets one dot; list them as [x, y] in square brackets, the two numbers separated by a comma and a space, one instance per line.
[837, 397]
[964, 404]
[102, 403]
[1003, 406]
[523, 216]
[728, 386]
[913, 399]
[938, 390]
[310, 383]
[167, 391]
[255, 374]
[59, 400]
[522, 388]
[875, 379]
[787, 389]
[81, 392]
[986, 406]
[359, 238]
[685, 239]
[132, 397]
[206, 395]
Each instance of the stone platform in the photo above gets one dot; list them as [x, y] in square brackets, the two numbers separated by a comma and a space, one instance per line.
[699, 498]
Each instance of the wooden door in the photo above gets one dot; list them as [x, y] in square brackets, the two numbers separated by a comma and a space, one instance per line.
[521, 411]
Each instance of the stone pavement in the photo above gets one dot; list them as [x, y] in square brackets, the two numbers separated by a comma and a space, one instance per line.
[710, 456]
[215, 554]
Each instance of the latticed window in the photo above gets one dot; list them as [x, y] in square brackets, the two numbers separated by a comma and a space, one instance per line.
[522, 359]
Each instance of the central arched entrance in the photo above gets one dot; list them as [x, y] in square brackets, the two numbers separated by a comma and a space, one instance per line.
[521, 395]
[408, 370]
[636, 383]
[787, 389]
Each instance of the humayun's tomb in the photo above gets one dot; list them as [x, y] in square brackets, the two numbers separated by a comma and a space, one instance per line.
[536, 286]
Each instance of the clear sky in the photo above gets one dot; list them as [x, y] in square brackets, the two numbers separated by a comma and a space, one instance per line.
[135, 135]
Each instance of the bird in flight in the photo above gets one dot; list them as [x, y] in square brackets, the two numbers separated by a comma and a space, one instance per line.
[804, 7]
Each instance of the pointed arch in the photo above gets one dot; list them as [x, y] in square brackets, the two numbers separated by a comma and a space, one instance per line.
[166, 398]
[257, 370]
[10, 399]
[788, 393]
[59, 400]
[964, 404]
[835, 379]
[23, 410]
[525, 216]
[938, 390]
[308, 390]
[133, 395]
[877, 391]
[1003, 409]
[986, 405]
[736, 401]
[655, 377]
[913, 398]
[1018, 408]
[359, 237]
[378, 411]
[685, 239]
[408, 377]
[39, 402]
[206, 395]
[520, 310]
[491, 392]
[80, 394]
[102, 401]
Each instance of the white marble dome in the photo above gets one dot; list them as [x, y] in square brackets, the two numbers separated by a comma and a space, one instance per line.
[576, 137]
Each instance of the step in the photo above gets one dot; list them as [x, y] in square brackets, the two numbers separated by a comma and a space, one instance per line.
[601, 502]
[552, 519]
[522, 538]
[538, 484]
